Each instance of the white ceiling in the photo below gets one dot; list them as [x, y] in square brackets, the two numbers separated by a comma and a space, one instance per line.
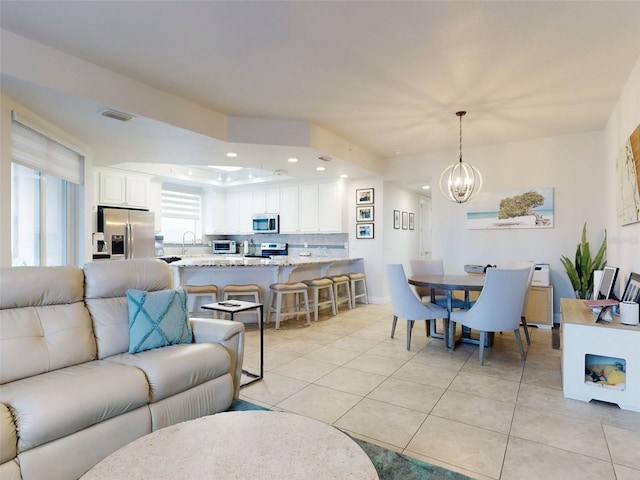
[385, 75]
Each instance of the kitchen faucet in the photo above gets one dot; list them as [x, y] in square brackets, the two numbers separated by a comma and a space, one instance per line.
[184, 236]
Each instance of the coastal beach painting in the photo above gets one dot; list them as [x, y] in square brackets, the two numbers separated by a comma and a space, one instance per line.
[529, 208]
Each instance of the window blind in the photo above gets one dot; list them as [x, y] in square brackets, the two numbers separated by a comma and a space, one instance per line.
[39, 152]
[181, 202]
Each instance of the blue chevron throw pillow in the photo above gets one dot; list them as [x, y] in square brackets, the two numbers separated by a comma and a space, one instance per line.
[157, 319]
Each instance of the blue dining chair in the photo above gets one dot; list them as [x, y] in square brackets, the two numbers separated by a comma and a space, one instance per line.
[499, 306]
[407, 305]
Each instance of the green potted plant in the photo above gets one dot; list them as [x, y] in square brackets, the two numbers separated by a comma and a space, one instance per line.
[580, 271]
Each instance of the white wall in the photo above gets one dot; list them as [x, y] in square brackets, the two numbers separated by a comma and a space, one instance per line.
[372, 250]
[624, 241]
[572, 165]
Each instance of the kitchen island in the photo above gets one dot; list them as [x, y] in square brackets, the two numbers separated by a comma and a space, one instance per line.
[222, 270]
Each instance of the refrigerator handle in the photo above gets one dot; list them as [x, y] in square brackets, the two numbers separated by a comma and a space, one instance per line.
[128, 240]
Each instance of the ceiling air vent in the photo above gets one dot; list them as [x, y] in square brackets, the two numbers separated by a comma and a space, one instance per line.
[123, 117]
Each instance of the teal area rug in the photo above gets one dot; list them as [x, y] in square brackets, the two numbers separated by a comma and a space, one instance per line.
[389, 464]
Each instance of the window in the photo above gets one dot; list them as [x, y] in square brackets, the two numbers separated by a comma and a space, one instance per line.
[181, 212]
[45, 207]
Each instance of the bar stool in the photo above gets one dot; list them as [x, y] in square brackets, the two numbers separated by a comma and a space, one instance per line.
[278, 290]
[358, 278]
[341, 282]
[317, 285]
[247, 293]
[197, 292]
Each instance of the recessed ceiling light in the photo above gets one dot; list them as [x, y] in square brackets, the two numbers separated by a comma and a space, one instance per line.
[426, 187]
[344, 175]
[292, 160]
[232, 154]
[320, 169]
[226, 168]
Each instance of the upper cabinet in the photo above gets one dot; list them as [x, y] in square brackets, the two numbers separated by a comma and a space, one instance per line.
[289, 210]
[239, 211]
[266, 200]
[311, 208]
[122, 189]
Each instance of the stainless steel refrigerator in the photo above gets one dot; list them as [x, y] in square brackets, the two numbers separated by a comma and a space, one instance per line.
[127, 233]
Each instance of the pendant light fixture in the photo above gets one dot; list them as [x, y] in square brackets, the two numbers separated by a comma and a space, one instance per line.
[460, 181]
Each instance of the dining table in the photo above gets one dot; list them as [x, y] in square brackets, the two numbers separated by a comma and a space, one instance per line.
[450, 283]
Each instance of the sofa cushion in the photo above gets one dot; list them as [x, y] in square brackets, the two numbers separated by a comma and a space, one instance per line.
[106, 285]
[8, 435]
[177, 368]
[157, 319]
[42, 313]
[65, 401]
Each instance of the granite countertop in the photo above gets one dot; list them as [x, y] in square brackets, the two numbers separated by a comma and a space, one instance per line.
[240, 261]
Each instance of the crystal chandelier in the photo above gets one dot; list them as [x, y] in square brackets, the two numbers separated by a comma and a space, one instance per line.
[460, 181]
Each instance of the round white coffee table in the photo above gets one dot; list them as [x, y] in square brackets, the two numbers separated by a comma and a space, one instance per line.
[240, 445]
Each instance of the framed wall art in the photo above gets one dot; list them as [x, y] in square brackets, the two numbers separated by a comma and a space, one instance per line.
[364, 214]
[411, 221]
[405, 220]
[628, 175]
[364, 230]
[396, 219]
[364, 196]
[510, 209]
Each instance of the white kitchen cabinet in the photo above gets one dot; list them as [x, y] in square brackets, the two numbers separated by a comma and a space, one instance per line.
[329, 207]
[311, 209]
[213, 212]
[289, 210]
[266, 200]
[308, 208]
[238, 212]
[123, 189]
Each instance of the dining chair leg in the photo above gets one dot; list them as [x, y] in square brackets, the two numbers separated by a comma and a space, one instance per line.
[393, 325]
[409, 328]
[520, 346]
[426, 326]
[483, 339]
[526, 330]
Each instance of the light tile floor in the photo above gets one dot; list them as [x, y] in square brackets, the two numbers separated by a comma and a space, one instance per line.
[504, 420]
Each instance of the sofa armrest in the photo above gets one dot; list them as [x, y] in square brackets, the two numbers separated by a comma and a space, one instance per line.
[228, 334]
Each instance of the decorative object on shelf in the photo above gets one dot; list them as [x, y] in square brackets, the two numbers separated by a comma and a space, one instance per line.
[460, 181]
[364, 230]
[580, 271]
[411, 221]
[632, 289]
[405, 220]
[628, 174]
[364, 214]
[396, 219]
[364, 196]
[511, 209]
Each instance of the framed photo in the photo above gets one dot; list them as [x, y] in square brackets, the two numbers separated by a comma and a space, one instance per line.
[411, 221]
[364, 214]
[364, 230]
[396, 219]
[405, 220]
[364, 196]
[632, 289]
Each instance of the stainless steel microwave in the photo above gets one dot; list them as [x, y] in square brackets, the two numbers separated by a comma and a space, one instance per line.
[266, 223]
[223, 246]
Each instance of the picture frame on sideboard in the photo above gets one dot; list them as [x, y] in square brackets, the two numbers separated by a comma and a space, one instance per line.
[632, 289]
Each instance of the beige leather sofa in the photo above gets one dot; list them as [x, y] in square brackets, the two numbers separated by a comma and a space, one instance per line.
[70, 393]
